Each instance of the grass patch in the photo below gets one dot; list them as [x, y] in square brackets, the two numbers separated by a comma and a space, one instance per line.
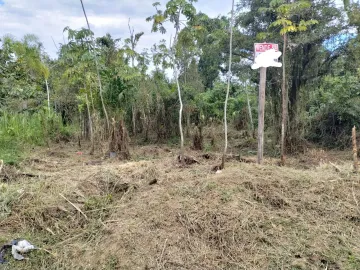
[18, 132]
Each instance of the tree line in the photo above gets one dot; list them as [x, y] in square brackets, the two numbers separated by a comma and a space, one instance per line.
[315, 98]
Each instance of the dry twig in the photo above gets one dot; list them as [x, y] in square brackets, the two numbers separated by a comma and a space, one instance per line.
[77, 208]
[335, 167]
[162, 253]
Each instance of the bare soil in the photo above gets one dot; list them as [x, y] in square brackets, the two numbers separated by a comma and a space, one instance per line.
[152, 213]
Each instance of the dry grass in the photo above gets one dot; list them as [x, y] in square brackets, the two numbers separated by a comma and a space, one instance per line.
[247, 217]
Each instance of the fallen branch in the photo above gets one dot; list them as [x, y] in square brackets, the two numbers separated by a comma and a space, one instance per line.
[77, 208]
[162, 253]
[69, 239]
[29, 175]
[335, 167]
[188, 160]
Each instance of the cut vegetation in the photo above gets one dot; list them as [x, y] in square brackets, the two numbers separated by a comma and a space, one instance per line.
[108, 216]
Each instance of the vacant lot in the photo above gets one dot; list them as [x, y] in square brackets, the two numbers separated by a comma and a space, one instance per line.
[151, 213]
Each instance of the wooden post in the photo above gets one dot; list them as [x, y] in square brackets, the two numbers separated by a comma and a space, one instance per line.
[356, 164]
[262, 86]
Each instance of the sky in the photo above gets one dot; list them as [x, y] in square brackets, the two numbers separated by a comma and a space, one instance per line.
[47, 18]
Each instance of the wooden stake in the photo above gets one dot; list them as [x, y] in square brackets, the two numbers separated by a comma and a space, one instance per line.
[261, 114]
[356, 164]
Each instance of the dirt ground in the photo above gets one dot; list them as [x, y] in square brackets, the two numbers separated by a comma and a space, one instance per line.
[85, 212]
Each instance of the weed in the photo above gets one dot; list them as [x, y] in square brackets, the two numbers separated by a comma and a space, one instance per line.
[8, 196]
[20, 131]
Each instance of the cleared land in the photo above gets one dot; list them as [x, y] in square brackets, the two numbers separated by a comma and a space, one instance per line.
[151, 213]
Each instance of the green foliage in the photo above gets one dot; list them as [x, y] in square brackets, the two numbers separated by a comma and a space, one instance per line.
[286, 12]
[8, 196]
[174, 8]
[18, 132]
[336, 109]
[22, 71]
[323, 85]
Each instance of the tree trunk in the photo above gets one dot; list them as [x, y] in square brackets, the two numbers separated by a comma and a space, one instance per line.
[228, 88]
[355, 158]
[90, 127]
[284, 106]
[176, 75]
[48, 94]
[249, 110]
[133, 119]
[92, 98]
[188, 124]
[180, 115]
[102, 99]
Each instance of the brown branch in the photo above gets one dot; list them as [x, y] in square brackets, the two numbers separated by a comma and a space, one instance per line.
[77, 208]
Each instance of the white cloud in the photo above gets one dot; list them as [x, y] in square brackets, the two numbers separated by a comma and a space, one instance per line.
[48, 18]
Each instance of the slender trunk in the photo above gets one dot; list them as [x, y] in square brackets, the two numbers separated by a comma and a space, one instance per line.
[284, 107]
[90, 126]
[134, 119]
[176, 75]
[262, 87]
[188, 125]
[249, 109]
[48, 94]
[101, 97]
[228, 87]
[92, 99]
[355, 157]
[180, 114]
[98, 74]
[132, 40]
[146, 127]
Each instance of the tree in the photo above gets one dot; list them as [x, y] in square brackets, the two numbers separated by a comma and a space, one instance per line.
[130, 45]
[22, 69]
[174, 9]
[228, 87]
[284, 13]
[98, 73]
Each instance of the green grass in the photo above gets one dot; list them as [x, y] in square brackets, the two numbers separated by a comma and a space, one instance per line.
[18, 132]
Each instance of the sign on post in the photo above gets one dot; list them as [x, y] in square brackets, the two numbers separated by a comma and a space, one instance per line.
[265, 55]
[263, 47]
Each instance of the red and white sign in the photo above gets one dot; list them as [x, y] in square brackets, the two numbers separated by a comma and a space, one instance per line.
[263, 47]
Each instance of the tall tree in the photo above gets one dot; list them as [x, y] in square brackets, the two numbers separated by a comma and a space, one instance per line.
[130, 44]
[174, 10]
[229, 75]
[98, 73]
[285, 13]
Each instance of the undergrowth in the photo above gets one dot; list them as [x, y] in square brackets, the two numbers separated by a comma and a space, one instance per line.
[18, 132]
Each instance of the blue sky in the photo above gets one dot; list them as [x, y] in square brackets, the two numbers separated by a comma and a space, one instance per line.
[335, 42]
[48, 18]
